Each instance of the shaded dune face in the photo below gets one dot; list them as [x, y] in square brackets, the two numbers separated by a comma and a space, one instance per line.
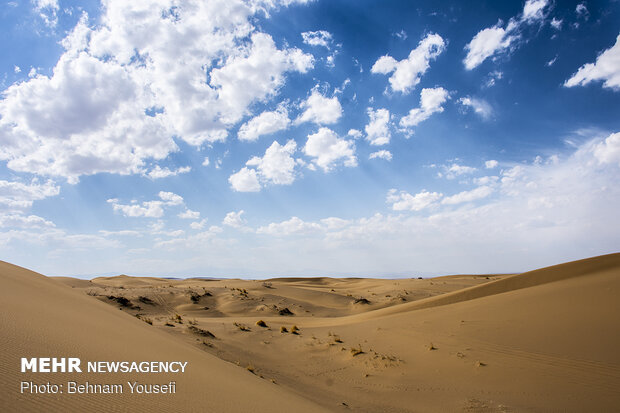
[545, 340]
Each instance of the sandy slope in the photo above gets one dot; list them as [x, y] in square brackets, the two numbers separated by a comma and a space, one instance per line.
[546, 340]
[40, 317]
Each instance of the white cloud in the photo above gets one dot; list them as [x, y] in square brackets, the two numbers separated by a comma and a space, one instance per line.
[404, 201]
[491, 163]
[480, 106]
[189, 214]
[431, 101]
[552, 61]
[328, 149]
[354, 133]
[17, 220]
[158, 172]
[468, 196]
[556, 23]
[292, 226]
[149, 209]
[15, 194]
[277, 166]
[264, 124]
[16, 69]
[581, 10]
[493, 77]
[317, 38]
[606, 67]
[533, 10]
[256, 74]
[48, 11]
[234, 219]
[454, 170]
[378, 128]
[407, 72]
[245, 180]
[382, 154]
[206, 162]
[608, 150]
[198, 224]
[189, 69]
[171, 198]
[495, 40]
[487, 43]
[320, 109]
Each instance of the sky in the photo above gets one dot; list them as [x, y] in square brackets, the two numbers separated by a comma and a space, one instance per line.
[260, 138]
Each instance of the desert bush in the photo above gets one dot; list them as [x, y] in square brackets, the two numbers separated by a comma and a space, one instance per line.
[121, 300]
[285, 311]
[241, 327]
[356, 351]
[146, 300]
[261, 323]
[201, 332]
[283, 329]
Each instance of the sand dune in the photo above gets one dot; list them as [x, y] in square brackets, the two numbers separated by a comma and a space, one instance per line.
[39, 317]
[546, 340]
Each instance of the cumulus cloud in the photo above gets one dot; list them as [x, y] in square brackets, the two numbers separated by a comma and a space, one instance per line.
[582, 10]
[491, 163]
[431, 101]
[234, 219]
[493, 41]
[276, 167]
[19, 195]
[453, 170]
[245, 180]
[606, 68]
[480, 106]
[382, 154]
[149, 209]
[320, 109]
[487, 43]
[404, 201]
[533, 10]
[407, 72]
[378, 128]
[47, 10]
[189, 214]
[18, 220]
[198, 224]
[608, 150]
[317, 38]
[158, 172]
[327, 150]
[468, 196]
[264, 124]
[189, 69]
[289, 227]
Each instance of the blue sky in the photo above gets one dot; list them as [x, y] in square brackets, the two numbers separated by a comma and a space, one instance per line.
[264, 138]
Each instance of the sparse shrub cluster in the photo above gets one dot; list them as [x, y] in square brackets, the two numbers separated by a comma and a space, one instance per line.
[123, 301]
[241, 327]
[201, 332]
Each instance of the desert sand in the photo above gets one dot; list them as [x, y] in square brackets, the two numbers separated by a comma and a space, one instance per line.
[542, 341]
